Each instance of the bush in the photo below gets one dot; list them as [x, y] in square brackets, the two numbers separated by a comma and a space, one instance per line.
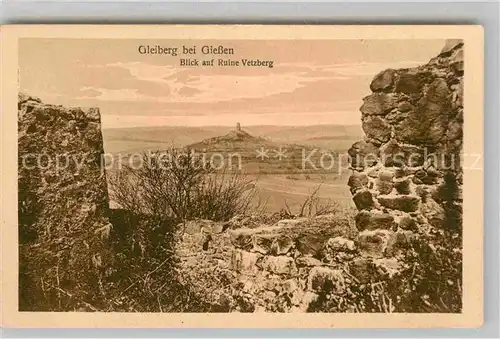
[177, 185]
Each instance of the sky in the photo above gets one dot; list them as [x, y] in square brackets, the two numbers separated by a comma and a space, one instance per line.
[312, 81]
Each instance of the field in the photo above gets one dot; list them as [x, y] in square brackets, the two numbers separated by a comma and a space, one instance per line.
[287, 164]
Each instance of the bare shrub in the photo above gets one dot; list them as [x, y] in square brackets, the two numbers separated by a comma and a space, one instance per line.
[312, 206]
[180, 186]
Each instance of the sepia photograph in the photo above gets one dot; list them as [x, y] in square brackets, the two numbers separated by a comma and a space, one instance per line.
[251, 175]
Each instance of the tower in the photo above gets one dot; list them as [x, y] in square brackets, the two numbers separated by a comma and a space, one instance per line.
[238, 127]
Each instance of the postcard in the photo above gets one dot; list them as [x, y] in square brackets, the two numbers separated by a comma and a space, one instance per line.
[242, 176]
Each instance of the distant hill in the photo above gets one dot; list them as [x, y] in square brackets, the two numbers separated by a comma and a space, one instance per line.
[128, 140]
[257, 154]
[234, 140]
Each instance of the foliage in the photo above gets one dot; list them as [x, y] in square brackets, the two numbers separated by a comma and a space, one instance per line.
[312, 206]
[180, 186]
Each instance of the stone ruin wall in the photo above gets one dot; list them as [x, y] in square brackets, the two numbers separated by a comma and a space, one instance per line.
[245, 265]
[63, 197]
[407, 175]
[413, 117]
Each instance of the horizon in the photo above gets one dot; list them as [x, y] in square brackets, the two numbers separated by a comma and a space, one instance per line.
[233, 126]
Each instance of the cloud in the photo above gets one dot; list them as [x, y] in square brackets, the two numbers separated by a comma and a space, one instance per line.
[180, 85]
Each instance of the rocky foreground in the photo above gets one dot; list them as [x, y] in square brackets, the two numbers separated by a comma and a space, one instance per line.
[283, 267]
[406, 184]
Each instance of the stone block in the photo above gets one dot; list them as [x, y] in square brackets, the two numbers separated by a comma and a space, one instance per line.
[324, 279]
[408, 83]
[383, 81]
[373, 243]
[372, 221]
[376, 128]
[279, 265]
[363, 154]
[384, 187]
[398, 243]
[405, 106]
[357, 181]
[307, 261]
[310, 244]
[362, 269]
[405, 203]
[341, 244]
[386, 175]
[402, 186]
[244, 262]
[379, 104]
[242, 238]
[427, 124]
[363, 200]
[439, 92]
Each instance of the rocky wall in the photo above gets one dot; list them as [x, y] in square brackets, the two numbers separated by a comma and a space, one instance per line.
[279, 267]
[406, 184]
[62, 203]
[406, 174]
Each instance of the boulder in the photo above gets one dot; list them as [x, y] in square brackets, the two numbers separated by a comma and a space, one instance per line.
[379, 104]
[383, 81]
